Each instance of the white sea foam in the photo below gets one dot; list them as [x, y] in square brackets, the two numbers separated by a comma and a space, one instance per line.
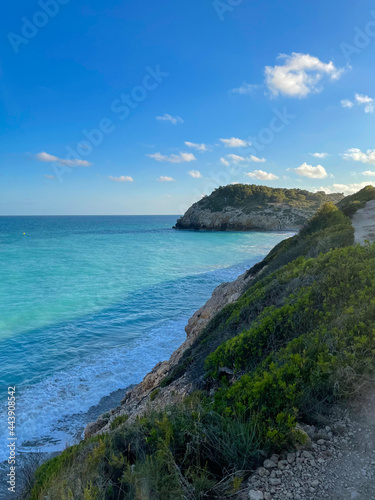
[50, 413]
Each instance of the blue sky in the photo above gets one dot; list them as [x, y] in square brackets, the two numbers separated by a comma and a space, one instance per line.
[119, 107]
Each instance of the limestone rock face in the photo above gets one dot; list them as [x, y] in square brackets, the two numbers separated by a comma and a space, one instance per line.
[274, 217]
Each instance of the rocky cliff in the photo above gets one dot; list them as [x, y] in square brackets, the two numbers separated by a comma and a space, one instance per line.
[244, 208]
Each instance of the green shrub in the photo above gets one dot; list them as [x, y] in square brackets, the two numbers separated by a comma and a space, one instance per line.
[351, 204]
[117, 421]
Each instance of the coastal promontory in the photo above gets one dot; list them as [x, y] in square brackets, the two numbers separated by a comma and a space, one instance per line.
[244, 207]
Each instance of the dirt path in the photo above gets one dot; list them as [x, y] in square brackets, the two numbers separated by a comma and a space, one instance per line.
[364, 223]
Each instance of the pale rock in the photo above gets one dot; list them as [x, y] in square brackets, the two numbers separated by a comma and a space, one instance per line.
[256, 495]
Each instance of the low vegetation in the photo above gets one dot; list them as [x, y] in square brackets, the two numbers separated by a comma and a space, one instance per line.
[300, 337]
[249, 197]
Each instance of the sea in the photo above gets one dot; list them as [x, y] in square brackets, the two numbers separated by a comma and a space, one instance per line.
[88, 305]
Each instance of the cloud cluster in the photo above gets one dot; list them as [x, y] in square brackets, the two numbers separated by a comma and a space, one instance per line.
[347, 189]
[262, 175]
[47, 158]
[180, 158]
[299, 75]
[306, 170]
[235, 142]
[356, 154]
[360, 100]
[169, 118]
[122, 178]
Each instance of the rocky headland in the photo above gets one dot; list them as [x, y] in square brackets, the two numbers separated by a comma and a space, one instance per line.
[243, 207]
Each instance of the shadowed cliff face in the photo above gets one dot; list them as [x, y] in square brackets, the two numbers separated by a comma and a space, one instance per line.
[257, 208]
[271, 218]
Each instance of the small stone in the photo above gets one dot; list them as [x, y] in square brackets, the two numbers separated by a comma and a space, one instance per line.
[320, 442]
[355, 494]
[315, 483]
[274, 458]
[291, 457]
[256, 495]
[262, 471]
[268, 464]
[308, 455]
[282, 464]
[267, 495]
[275, 481]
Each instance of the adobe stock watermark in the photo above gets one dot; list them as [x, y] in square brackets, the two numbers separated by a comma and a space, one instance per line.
[222, 7]
[280, 120]
[362, 39]
[30, 27]
[121, 107]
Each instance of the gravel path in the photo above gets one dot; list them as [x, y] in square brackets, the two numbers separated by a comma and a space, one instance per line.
[364, 223]
[338, 464]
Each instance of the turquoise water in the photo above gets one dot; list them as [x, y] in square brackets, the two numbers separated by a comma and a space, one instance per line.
[88, 305]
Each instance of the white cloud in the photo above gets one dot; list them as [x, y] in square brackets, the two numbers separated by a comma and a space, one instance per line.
[45, 157]
[198, 147]
[363, 99]
[306, 170]
[245, 89]
[261, 175]
[255, 159]
[369, 173]
[236, 159]
[346, 188]
[346, 103]
[360, 100]
[169, 118]
[367, 101]
[49, 176]
[299, 75]
[165, 178]
[319, 155]
[234, 142]
[356, 154]
[180, 158]
[122, 178]
[195, 174]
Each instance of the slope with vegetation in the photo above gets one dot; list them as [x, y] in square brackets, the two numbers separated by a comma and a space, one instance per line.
[242, 207]
[301, 337]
